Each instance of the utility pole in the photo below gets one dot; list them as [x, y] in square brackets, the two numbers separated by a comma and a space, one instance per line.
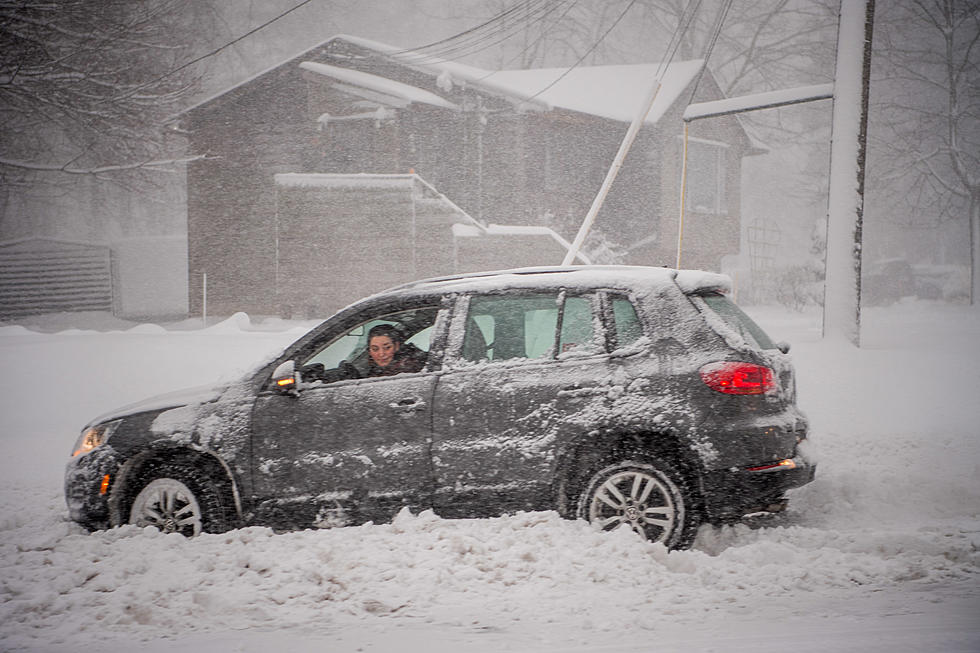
[848, 146]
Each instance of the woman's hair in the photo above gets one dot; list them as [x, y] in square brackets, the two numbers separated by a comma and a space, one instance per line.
[389, 330]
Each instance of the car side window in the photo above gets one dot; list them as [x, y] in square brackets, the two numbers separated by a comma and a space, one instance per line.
[577, 331]
[340, 349]
[346, 355]
[627, 328]
[507, 327]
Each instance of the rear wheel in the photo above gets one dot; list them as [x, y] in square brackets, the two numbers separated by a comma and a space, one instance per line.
[648, 497]
[178, 499]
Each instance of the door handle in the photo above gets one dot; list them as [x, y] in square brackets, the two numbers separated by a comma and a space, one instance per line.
[574, 391]
[407, 405]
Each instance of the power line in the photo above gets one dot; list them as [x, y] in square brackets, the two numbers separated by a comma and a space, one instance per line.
[491, 32]
[508, 22]
[218, 49]
[683, 25]
[240, 38]
[716, 32]
[507, 32]
[488, 24]
[587, 52]
[541, 37]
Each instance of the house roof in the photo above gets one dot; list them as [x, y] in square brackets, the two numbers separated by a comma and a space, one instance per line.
[614, 92]
[396, 92]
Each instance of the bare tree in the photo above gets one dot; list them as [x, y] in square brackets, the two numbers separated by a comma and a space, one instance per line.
[927, 106]
[85, 87]
[86, 84]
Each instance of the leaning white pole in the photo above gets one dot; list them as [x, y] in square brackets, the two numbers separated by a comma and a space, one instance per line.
[611, 175]
[680, 219]
[842, 288]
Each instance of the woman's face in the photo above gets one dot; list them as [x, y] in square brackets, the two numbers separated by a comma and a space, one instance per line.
[382, 350]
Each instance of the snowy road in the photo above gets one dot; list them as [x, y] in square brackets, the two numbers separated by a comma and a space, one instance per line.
[879, 554]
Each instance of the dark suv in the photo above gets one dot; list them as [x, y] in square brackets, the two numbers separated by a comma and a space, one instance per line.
[621, 395]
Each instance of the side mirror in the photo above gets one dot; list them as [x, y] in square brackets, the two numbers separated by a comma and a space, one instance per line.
[783, 346]
[285, 379]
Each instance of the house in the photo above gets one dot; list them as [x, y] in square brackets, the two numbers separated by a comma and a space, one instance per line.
[338, 146]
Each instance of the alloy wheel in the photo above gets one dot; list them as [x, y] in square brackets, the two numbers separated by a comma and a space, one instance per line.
[169, 505]
[636, 498]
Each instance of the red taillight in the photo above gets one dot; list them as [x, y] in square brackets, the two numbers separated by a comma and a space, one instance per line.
[737, 378]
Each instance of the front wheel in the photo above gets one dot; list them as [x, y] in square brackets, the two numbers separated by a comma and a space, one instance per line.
[176, 499]
[647, 497]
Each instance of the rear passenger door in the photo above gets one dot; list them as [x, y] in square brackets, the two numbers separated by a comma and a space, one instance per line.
[521, 364]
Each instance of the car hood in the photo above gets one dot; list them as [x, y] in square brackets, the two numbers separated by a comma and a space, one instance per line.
[196, 395]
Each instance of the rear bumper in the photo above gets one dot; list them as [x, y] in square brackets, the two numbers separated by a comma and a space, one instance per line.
[731, 494]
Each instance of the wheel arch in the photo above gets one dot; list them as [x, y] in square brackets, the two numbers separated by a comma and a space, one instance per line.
[588, 455]
[127, 484]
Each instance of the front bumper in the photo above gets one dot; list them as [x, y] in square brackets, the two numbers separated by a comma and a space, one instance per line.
[88, 481]
[733, 493]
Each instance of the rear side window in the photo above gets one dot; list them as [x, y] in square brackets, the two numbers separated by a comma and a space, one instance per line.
[539, 325]
[738, 321]
[576, 325]
[626, 323]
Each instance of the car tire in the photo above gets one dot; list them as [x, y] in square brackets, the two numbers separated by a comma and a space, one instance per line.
[178, 499]
[649, 496]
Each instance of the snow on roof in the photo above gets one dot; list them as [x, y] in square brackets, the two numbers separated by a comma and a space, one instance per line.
[614, 92]
[41, 241]
[359, 180]
[378, 84]
[611, 276]
[756, 101]
[448, 72]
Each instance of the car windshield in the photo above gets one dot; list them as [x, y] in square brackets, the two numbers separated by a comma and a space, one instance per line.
[735, 318]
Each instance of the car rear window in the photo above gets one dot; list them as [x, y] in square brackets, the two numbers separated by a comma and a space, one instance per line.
[625, 321]
[735, 318]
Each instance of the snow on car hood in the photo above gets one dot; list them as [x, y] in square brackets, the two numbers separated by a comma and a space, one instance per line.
[196, 395]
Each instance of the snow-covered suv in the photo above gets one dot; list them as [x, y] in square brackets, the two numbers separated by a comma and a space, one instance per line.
[627, 396]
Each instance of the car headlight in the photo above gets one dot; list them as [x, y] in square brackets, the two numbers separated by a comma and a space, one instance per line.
[93, 436]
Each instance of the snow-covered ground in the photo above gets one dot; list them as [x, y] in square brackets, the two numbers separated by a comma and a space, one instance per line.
[880, 553]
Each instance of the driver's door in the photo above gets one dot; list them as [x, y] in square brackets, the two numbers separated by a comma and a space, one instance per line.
[347, 451]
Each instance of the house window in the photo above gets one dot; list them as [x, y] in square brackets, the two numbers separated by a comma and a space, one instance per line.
[705, 186]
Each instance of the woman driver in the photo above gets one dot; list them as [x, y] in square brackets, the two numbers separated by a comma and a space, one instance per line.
[388, 355]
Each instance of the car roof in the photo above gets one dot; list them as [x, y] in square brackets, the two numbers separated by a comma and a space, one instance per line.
[640, 278]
